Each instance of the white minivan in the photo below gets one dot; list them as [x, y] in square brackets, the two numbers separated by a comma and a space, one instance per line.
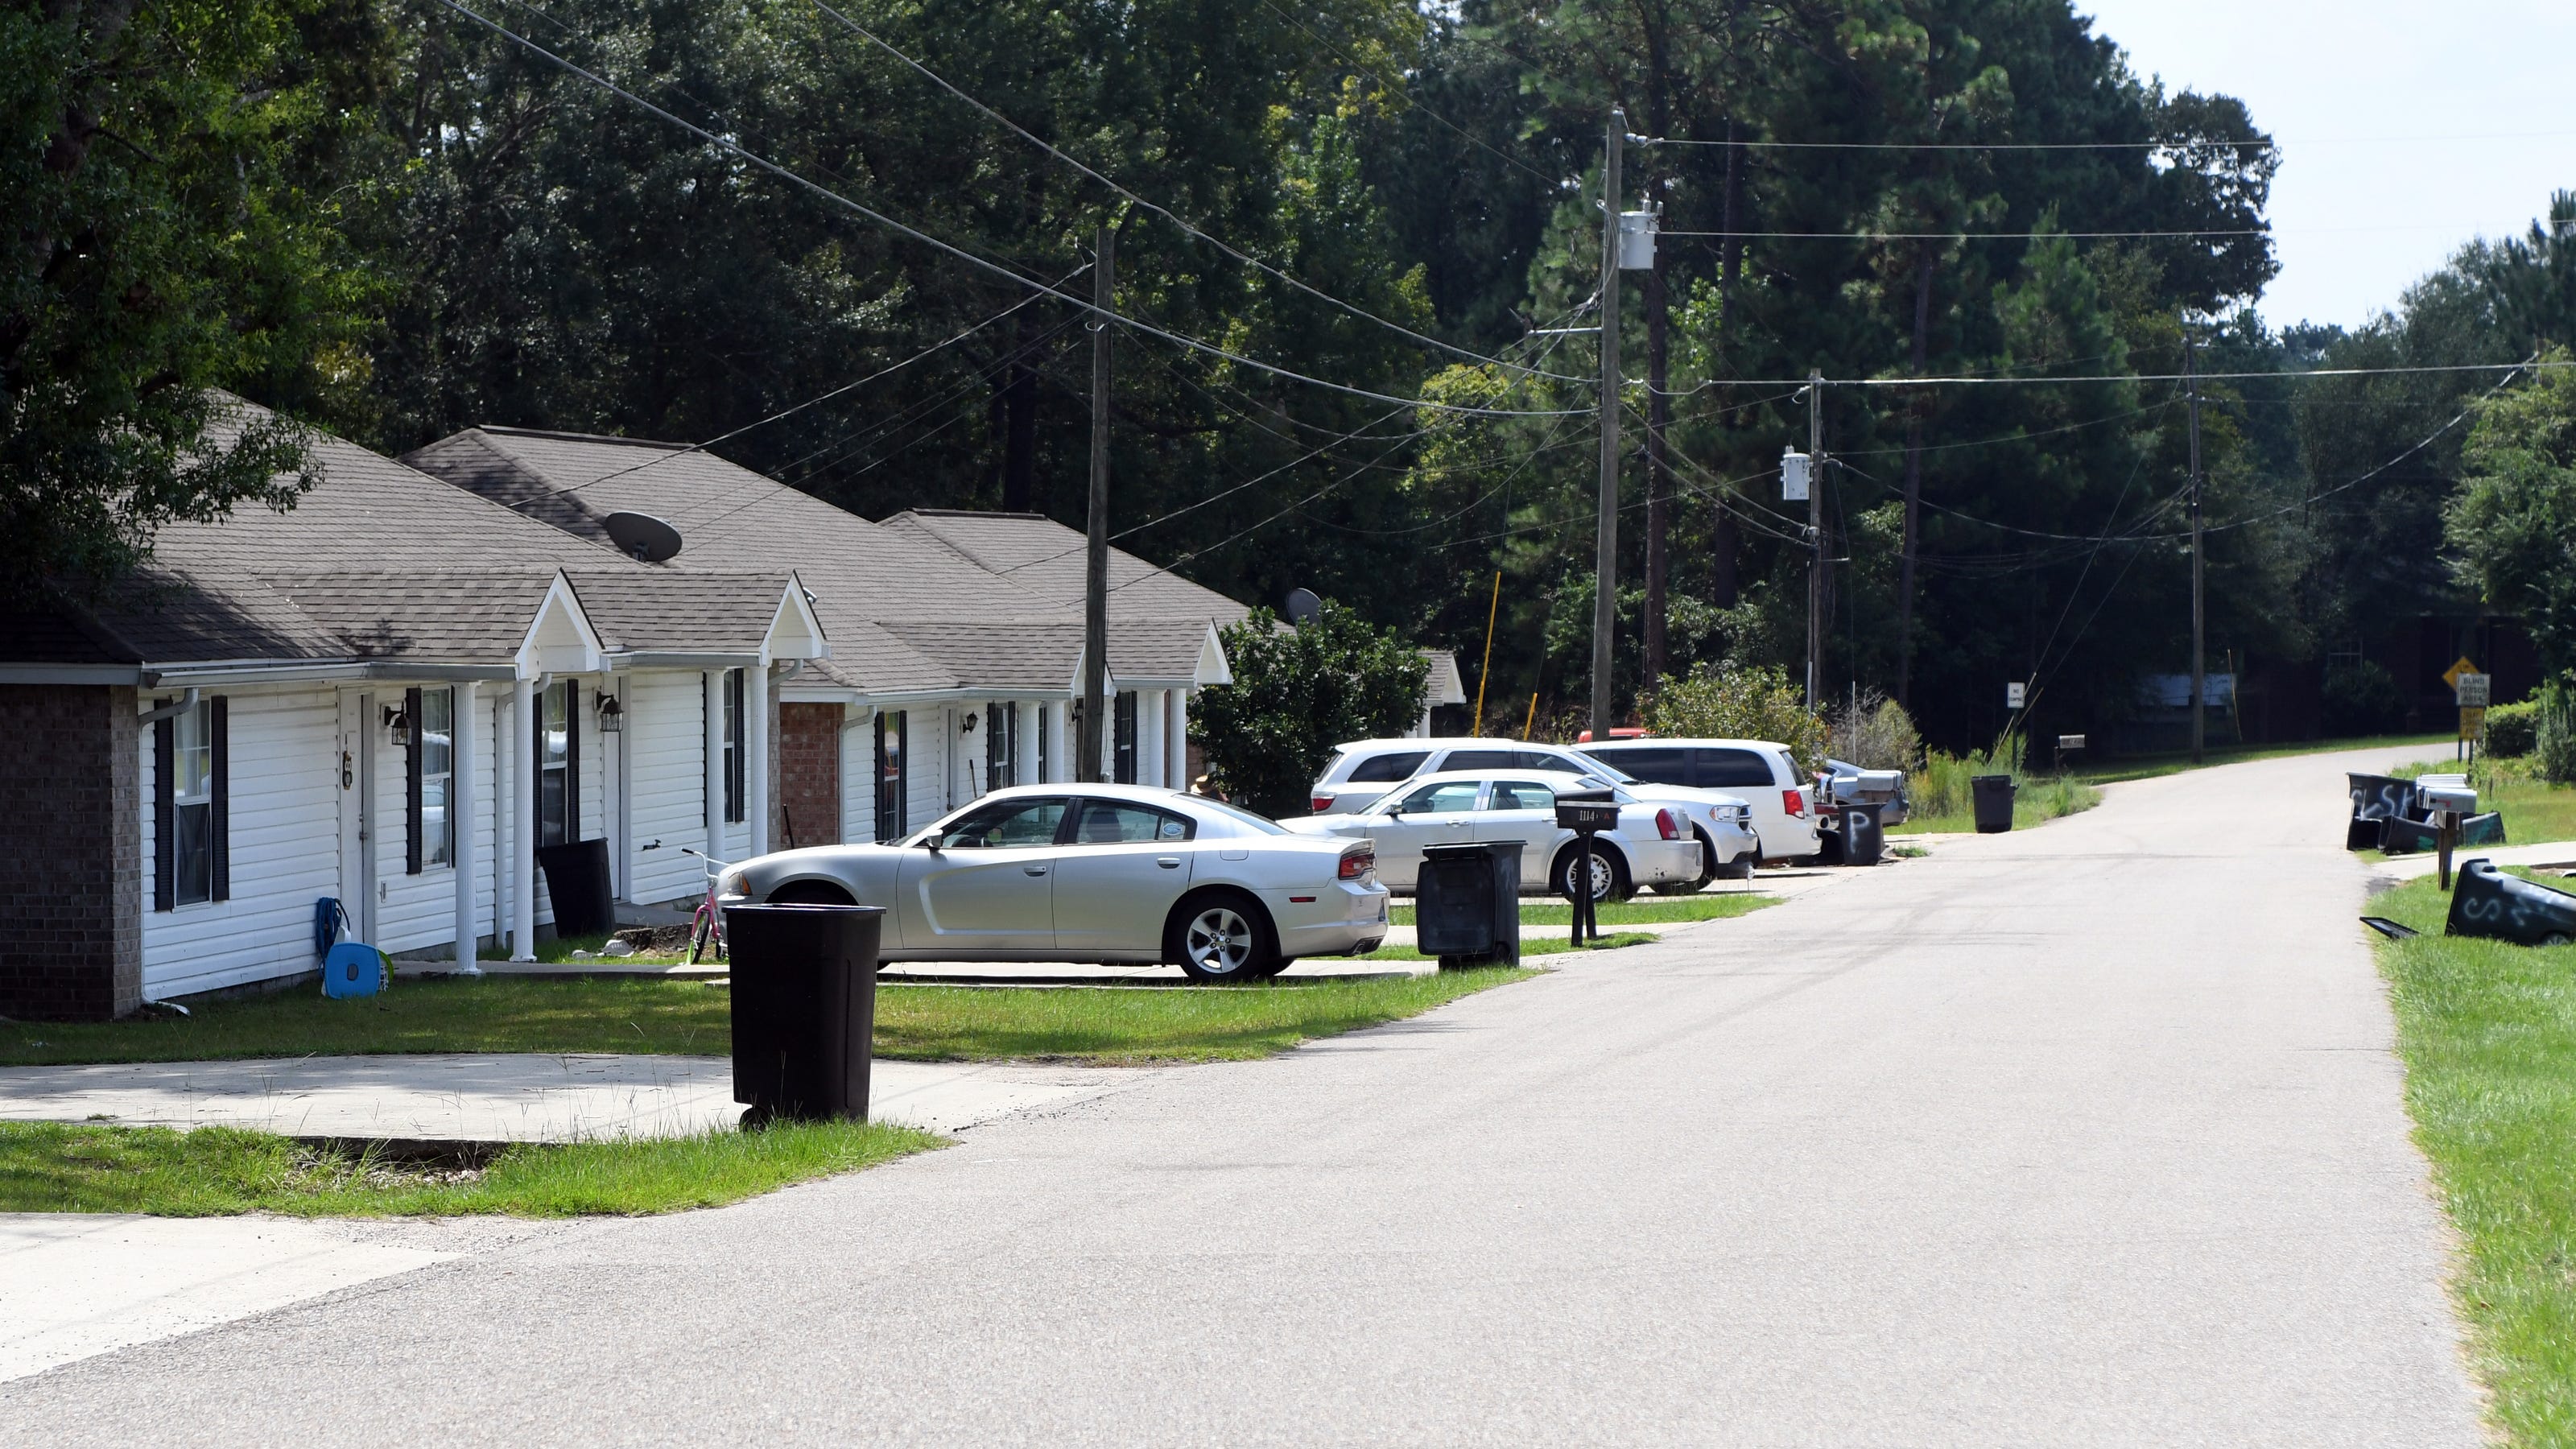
[1364, 771]
[1761, 771]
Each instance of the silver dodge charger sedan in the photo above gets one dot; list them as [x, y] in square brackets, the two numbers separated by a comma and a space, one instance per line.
[1102, 873]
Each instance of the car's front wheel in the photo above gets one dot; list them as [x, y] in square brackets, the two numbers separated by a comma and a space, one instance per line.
[1222, 937]
[1609, 874]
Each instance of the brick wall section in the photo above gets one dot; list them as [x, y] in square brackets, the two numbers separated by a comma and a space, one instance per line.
[71, 852]
[809, 774]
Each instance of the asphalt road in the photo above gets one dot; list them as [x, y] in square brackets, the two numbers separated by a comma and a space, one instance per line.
[2088, 1134]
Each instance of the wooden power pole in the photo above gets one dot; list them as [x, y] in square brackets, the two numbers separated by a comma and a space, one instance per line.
[2199, 644]
[1605, 583]
[1095, 573]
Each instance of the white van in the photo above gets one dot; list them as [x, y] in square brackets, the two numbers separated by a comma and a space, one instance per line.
[1364, 771]
[1760, 771]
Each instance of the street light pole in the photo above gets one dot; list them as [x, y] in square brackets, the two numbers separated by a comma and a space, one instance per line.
[1605, 583]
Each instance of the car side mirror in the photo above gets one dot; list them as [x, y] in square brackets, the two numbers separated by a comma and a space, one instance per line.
[1395, 812]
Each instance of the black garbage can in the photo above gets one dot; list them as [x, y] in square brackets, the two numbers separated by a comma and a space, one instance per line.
[1467, 904]
[1864, 839]
[804, 1009]
[1993, 797]
[2375, 799]
[2487, 902]
[577, 883]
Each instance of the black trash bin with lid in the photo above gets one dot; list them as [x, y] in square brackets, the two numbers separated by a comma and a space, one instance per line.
[1864, 840]
[577, 883]
[1467, 904]
[2376, 799]
[804, 1009]
[1993, 798]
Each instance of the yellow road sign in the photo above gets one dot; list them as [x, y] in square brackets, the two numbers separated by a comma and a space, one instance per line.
[2471, 721]
[2459, 666]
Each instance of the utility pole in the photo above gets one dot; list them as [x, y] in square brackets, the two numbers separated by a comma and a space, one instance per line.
[1815, 537]
[1605, 582]
[2199, 652]
[1095, 567]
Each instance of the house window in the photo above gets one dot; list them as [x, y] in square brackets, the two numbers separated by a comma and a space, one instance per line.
[192, 803]
[433, 777]
[1001, 744]
[734, 810]
[892, 775]
[190, 861]
[558, 764]
[1124, 718]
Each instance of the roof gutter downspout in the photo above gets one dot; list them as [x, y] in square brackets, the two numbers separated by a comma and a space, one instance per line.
[186, 702]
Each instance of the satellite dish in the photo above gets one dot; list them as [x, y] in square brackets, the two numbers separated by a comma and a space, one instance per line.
[643, 535]
[1303, 605]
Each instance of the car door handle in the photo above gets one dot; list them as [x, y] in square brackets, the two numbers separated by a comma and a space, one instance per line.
[1169, 862]
[1033, 869]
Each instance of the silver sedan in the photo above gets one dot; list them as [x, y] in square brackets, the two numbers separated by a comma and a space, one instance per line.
[1653, 846]
[1098, 873]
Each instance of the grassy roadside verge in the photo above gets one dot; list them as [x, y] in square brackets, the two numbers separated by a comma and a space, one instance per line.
[1644, 910]
[212, 1171]
[2144, 767]
[2040, 800]
[2488, 1035]
[665, 1017]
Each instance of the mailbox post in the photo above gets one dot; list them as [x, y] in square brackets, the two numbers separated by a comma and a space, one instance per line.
[1587, 813]
[2447, 800]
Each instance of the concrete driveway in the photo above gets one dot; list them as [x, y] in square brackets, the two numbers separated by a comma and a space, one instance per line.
[2088, 1134]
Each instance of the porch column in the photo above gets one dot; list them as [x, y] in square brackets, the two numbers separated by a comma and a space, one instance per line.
[1031, 714]
[755, 759]
[1180, 747]
[523, 818]
[461, 793]
[1149, 737]
[1059, 715]
[621, 823]
[715, 846]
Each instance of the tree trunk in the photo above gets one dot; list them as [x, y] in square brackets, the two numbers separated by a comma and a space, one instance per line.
[1913, 488]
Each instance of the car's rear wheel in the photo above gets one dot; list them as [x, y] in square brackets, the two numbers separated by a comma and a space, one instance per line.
[1222, 936]
[1609, 874]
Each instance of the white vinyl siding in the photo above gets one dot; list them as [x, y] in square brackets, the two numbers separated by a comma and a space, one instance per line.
[858, 777]
[666, 730]
[283, 804]
[932, 788]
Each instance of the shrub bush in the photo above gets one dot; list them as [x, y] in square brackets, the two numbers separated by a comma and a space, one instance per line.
[1875, 733]
[1740, 702]
[2554, 737]
[2362, 699]
[2513, 729]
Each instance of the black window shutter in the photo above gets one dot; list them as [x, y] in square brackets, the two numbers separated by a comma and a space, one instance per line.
[411, 769]
[222, 832]
[572, 762]
[165, 842]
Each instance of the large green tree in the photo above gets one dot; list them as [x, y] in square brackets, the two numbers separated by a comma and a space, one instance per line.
[157, 180]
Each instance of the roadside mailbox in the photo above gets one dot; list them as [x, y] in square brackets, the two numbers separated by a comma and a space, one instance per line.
[1587, 813]
[2446, 800]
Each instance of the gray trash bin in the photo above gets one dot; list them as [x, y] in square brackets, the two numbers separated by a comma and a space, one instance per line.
[804, 1009]
[1467, 904]
[1993, 798]
[1864, 841]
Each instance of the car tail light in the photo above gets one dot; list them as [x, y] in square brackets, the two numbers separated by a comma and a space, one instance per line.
[1357, 863]
[1668, 825]
[1319, 803]
[1794, 801]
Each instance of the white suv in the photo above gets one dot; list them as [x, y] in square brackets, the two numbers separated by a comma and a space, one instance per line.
[1760, 771]
[1364, 771]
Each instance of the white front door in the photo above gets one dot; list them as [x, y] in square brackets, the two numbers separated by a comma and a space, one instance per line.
[358, 813]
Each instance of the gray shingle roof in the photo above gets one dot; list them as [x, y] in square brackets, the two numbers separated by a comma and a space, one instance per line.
[908, 609]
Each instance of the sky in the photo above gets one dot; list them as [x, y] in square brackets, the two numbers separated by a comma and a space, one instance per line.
[2363, 205]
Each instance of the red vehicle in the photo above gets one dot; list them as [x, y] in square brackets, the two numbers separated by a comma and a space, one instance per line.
[1617, 732]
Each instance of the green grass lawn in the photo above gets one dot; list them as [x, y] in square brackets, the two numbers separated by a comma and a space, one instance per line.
[77, 1167]
[1539, 945]
[2488, 1034]
[2040, 800]
[2143, 767]
[651, 1015]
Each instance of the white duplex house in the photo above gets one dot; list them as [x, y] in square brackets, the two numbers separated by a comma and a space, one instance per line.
[294, 708]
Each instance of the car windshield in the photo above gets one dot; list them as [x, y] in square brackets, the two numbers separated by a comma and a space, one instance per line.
[1238, 813]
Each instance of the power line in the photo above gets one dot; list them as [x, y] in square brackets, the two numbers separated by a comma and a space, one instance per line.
[2043, 236]
[1172, 216]
[971, 258]
[2275, 376]
[2186, 143]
